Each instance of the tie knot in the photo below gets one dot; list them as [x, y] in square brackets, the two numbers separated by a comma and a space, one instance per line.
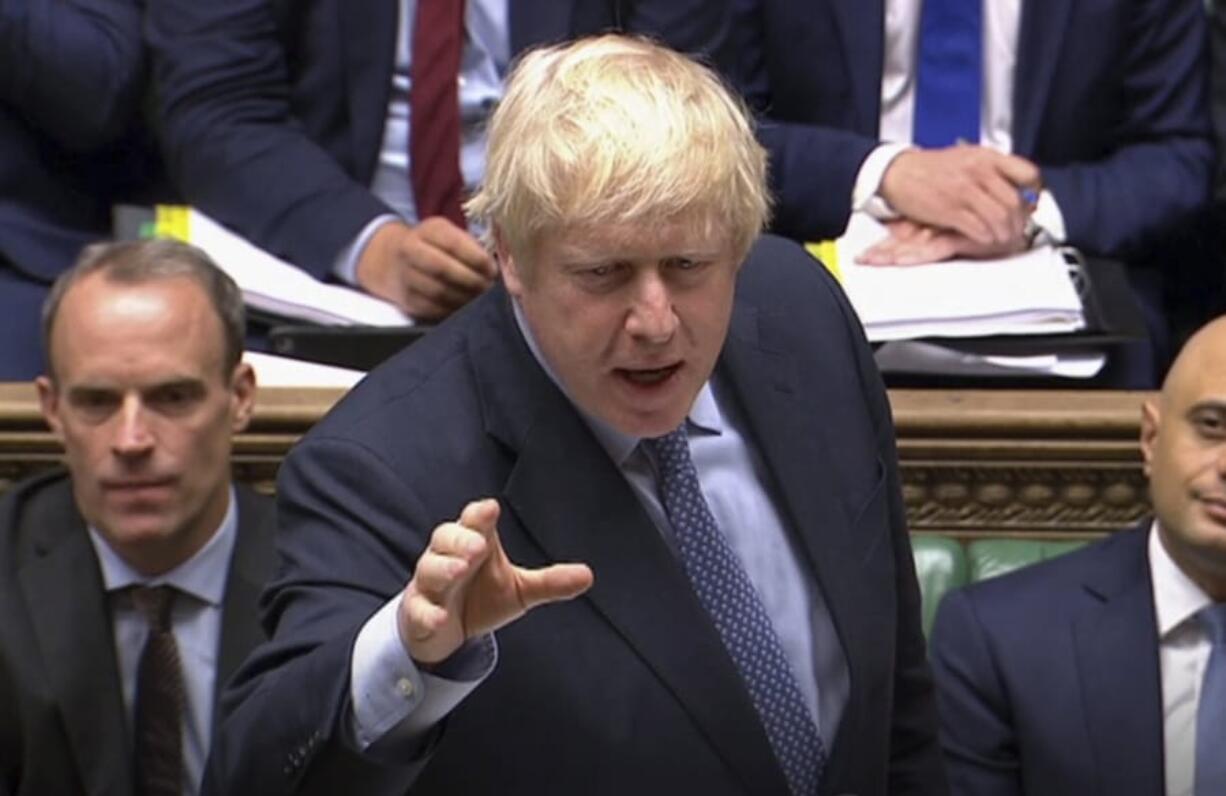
[154, 602]
[672, 451]
[1213, 617]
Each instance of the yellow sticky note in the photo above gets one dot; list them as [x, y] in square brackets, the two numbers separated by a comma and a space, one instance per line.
[828, 253]
[173, 221]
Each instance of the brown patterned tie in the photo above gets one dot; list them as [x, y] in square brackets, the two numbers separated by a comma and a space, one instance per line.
[159, 698]
[434, 109]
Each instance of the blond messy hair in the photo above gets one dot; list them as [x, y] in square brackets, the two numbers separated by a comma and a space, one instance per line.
[615, 130]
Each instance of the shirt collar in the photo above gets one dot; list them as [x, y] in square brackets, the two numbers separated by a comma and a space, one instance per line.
[203, 576]
[704, 414]
[1177, 598]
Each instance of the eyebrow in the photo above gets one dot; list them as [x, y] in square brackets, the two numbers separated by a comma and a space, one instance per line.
[1216, 405]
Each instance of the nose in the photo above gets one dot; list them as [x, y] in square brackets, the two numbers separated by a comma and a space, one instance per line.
[651, 318]
[132, 435]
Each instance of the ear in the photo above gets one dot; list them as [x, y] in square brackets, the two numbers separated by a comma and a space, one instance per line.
[242, 396]
[1151, 420]
[49, 404]
[511, 276]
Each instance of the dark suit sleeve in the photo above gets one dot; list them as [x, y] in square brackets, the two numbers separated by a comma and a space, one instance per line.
[74, 68]
[230, 139]
[981, 747]
[347, 540]
[813, 167]
[1158, 164]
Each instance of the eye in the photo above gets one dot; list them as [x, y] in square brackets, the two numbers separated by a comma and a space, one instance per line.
[93, 404]
[175, 398]
[682, 263]
[1211, 424]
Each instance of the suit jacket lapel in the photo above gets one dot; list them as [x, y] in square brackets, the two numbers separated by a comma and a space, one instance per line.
[1116, 644]
[1039, 41]
[63, 588]
[575, 505]
[251, 565]
[862, 26]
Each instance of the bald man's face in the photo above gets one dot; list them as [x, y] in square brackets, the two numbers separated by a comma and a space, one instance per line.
[1183, 440]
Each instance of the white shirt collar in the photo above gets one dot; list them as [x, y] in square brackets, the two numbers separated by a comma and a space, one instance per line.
[704, 413]
[1177, 598]
[203, 575]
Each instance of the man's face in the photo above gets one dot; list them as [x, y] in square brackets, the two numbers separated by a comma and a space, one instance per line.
[1183, 440]
[145, 413]
[630, 319]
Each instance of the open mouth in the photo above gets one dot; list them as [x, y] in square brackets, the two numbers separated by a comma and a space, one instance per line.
[647, 377]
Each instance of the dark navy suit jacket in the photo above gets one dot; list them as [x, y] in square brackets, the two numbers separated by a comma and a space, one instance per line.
[1110, 100]
[71, 144]
[63, 728]
[1048, 678]
[627, 689]
[273, 110]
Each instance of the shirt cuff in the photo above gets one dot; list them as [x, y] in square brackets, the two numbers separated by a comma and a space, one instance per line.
[394, 701]
[346, 265]
[1050, 221]
[864, 195]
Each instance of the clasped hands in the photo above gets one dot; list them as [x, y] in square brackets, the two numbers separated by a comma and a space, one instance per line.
[465, 586]
[961, 201]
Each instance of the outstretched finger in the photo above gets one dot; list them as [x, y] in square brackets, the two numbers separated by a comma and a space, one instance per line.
[552, 583]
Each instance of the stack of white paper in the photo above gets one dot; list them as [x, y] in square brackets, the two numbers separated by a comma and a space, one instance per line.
[1030, 293]
[275, 286]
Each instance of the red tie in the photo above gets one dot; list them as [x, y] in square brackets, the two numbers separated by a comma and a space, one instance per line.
[434, 109]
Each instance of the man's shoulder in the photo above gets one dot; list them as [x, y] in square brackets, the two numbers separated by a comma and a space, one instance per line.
[36, 512]
[1058, 583]
[431, 386]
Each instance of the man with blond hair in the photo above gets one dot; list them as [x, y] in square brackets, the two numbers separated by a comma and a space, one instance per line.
[685, 414]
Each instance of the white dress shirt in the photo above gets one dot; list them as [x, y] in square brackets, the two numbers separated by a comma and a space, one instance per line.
[1183, 654]
[195, 622]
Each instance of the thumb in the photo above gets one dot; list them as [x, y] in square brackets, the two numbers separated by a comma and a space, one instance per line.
[553, 583]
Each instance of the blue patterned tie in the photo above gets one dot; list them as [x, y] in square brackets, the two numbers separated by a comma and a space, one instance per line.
[726, 592]
[948, 72]
[1211, 709]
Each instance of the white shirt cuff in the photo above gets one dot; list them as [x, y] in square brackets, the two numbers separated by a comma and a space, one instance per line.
[1049, 219]
[392, 697]
[864, 195]
[346, 266]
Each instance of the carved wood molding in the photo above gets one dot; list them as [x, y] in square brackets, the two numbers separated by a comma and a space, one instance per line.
[1052, 463]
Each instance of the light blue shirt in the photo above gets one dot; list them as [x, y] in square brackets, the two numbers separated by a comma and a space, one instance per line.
[196, 623]
[484, 62]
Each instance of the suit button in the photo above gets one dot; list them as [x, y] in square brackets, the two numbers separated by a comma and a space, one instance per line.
[404, 687]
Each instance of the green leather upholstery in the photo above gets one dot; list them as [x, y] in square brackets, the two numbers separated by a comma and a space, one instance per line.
[943, 563]
[988, 558]
[940, 565]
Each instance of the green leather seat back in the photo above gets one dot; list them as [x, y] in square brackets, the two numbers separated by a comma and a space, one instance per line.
[940, 565]
[943, 563]
[988, 558]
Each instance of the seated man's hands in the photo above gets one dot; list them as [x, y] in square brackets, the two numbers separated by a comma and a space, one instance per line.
[910, 243]
[971, 190]
[464, 586]
[429, 271]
